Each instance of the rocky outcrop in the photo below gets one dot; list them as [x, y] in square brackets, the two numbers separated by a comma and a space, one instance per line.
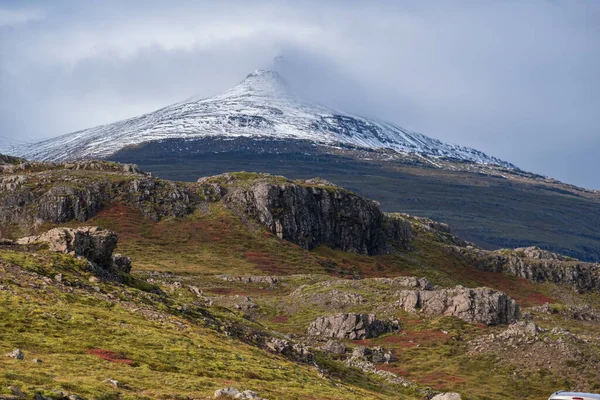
[578, 312]
[534, 264]
[295, 351]
[312, 215]
[90, 242]
[309, 213]
[351, 326]
[479, 305]
[376, 355]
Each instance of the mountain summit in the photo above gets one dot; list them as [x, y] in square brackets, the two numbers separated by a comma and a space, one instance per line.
[262, 106]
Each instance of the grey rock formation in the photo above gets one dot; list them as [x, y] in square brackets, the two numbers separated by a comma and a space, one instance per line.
[17, 354]
[92, 243]
[376, 355]
[226, 392]
[294, 351]
[351, 326]
[482, 305]
[535, 265]
[311, 216]
[308, 213]
[334, 347]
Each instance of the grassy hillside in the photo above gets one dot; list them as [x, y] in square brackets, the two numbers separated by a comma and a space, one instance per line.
[186, 321]
[490, 208]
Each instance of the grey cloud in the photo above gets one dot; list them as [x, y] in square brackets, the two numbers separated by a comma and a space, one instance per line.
[515, 79]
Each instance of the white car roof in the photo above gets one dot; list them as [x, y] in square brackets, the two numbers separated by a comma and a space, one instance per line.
[561, 395]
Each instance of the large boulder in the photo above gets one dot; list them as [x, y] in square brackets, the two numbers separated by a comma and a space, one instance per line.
[351, 326]
[90, 242]
[478, 305]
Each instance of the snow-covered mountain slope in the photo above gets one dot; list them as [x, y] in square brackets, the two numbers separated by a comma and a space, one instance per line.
[261, 106]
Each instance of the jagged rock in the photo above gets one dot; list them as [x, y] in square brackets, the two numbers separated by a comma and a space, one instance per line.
[295, 351]
[334, 347]
[533, 264]
[16, 354]
[244, 303]
[6, 242]
[226, 392]
[195, 290]
[376, 355]
[578, 312]
[121, 263]
[113, 382]
[351, 326]
[483, 305]
[523, 328]
[447, 396]
[93, 243]
[311, 216]
[247, 395]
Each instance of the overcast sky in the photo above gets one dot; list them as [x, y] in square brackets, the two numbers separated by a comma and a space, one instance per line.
[519, 80]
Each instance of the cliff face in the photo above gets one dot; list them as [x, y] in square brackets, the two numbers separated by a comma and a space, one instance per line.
[315, 213]
[535, 265]
[308, 213]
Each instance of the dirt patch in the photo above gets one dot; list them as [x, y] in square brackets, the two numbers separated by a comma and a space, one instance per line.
[111, 356]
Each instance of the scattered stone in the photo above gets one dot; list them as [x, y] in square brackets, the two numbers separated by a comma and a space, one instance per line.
[36, 361]
[17, 392]
[74, 397]
[523, 328]
[295, 351]
[376, 355]
[244, 303]
[121, 263]
[351, 326]
[446, 396]
[247, 395]
[482, 305]
[195, 291]
[94, 279]
[334, 347]
[113, 382]
[16, 354]
[226, 392]
[271, 280]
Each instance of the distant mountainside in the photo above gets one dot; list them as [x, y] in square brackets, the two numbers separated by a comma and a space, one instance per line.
[260, 125]
[262, 106]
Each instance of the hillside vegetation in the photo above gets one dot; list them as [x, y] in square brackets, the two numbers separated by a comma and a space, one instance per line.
[224, 287]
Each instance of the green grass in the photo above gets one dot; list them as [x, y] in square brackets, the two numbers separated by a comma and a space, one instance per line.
[170, 355]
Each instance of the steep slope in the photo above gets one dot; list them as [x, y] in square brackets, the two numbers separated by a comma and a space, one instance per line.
[261, 106]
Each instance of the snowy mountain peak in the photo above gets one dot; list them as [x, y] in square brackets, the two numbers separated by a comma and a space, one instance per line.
[262, 106]
[260, 83]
